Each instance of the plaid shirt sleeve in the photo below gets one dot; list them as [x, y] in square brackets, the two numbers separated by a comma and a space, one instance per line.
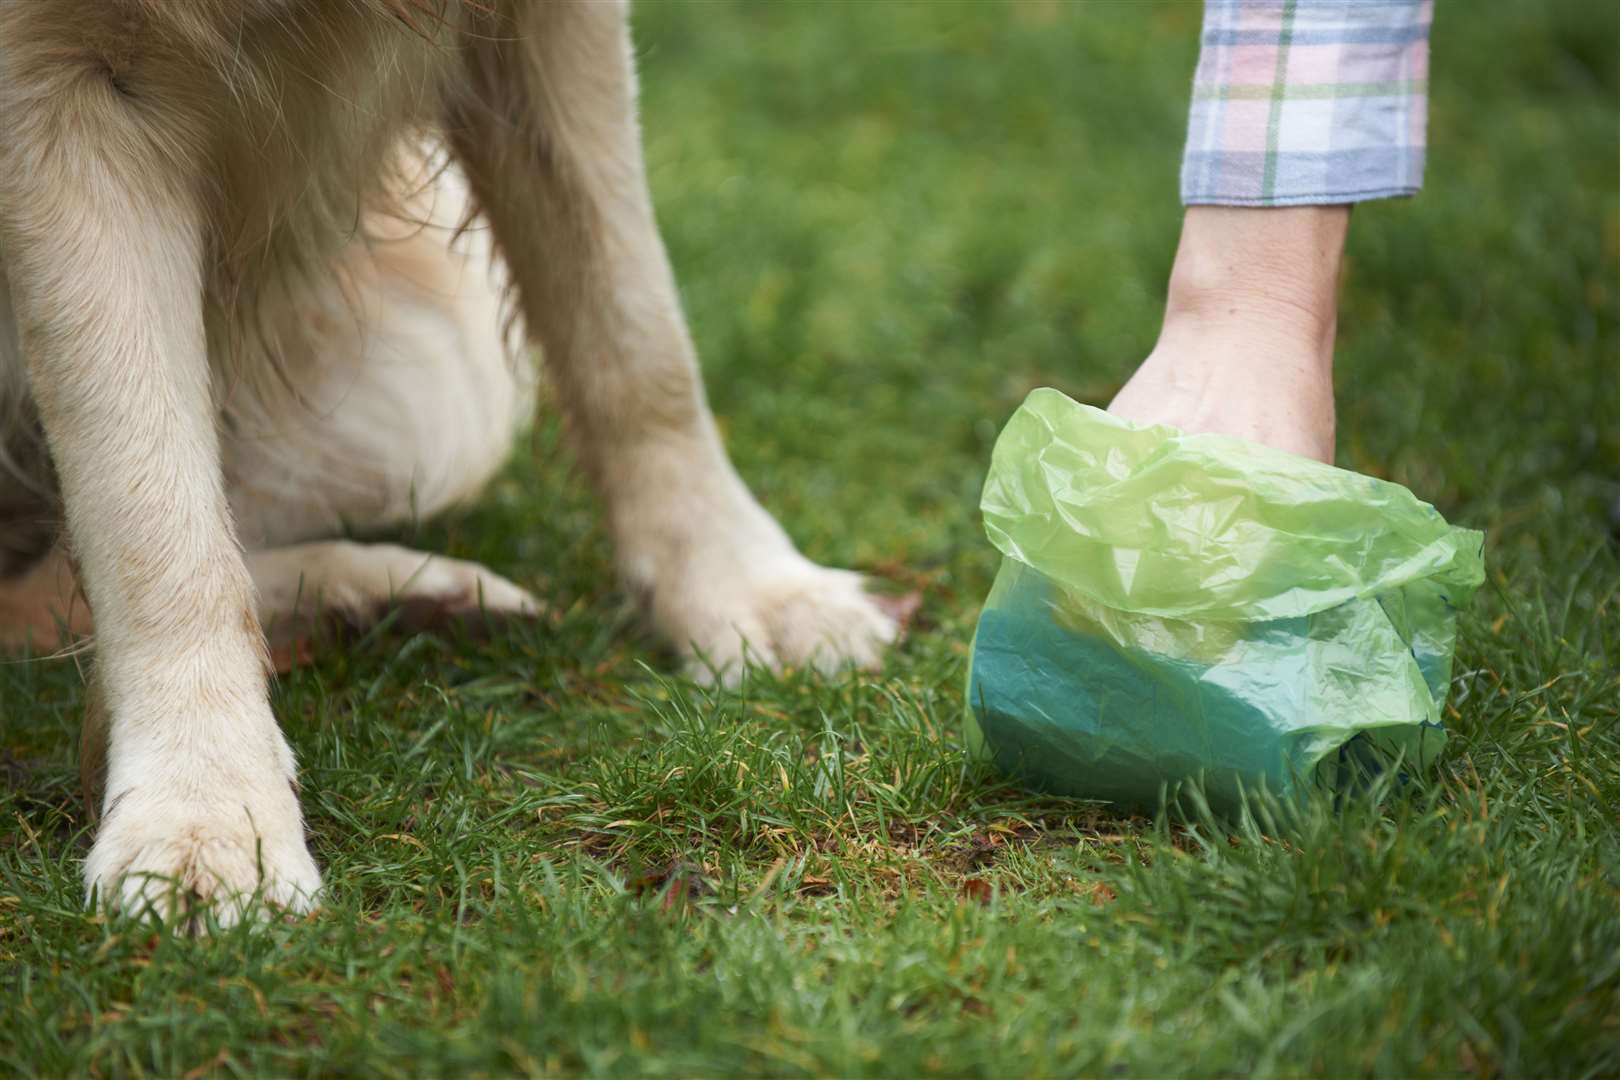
[1308, 101]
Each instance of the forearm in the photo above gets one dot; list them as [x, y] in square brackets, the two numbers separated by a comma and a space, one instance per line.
[1274, 272]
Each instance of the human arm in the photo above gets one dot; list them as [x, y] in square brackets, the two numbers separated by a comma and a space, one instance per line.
[1246, 346]
[1299, 109]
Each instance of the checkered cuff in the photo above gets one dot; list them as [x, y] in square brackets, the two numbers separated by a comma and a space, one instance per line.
[1308, 101]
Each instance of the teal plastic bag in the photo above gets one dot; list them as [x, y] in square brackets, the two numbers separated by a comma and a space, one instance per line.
[1175, 606]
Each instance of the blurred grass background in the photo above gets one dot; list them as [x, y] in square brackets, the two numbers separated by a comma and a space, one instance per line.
[890, 220]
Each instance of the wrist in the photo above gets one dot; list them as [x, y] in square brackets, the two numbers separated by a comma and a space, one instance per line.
[1271, 272]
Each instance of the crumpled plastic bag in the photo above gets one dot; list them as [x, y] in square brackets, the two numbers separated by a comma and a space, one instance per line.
[1176, 606]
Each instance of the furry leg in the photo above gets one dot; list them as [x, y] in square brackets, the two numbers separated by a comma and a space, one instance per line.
[298, 588]
[103, 242]
[545, 127]
[304, 586]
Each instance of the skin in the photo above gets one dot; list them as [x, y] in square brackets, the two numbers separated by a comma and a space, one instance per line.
[1246, 348]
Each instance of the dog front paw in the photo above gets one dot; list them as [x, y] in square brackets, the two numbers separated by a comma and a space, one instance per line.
[793, 615]
[182, 851]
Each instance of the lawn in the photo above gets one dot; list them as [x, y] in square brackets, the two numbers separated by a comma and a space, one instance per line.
[549, 854]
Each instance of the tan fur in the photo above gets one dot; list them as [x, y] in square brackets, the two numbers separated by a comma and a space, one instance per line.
[248, 299]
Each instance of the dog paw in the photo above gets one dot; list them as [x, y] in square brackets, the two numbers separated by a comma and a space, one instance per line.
[456, 585]
[308, 592]
[232, 852]
[801, 615]
[449, 592]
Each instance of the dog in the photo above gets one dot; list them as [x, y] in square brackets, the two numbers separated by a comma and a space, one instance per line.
[269, 271]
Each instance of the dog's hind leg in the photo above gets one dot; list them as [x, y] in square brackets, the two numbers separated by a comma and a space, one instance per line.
[407, 401]
[300, 589]
[544, 122]
[103, 236]
[305, 588]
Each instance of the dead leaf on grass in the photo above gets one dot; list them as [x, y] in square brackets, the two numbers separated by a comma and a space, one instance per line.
[811, 885]
[213, 1063]
[651, 877]
[977, 889]
[683, 889]
[982, 850]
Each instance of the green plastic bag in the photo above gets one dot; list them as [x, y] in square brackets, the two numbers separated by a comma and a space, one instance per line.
[1174, 606]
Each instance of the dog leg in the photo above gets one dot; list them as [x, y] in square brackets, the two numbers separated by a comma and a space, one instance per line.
[298, 588]
[103, 239]
[303, 586]
[545, 126]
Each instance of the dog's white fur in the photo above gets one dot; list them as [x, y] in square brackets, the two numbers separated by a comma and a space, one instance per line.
[233, 291]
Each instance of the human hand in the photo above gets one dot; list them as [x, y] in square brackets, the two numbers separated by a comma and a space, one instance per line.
[1247, 343]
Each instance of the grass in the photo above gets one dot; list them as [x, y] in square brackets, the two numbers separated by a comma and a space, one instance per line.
[549, 855]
